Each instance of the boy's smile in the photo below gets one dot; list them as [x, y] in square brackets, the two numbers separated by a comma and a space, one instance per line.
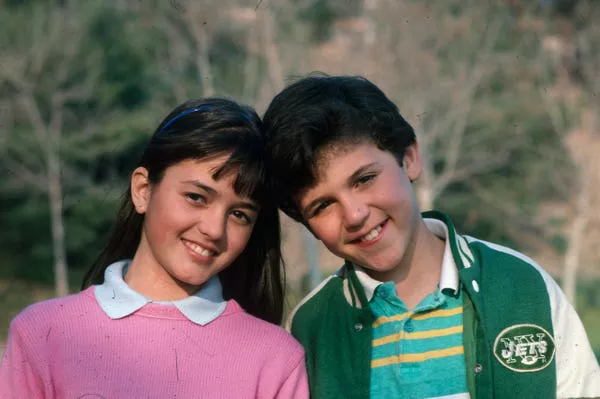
[372, 237]
[363, 207]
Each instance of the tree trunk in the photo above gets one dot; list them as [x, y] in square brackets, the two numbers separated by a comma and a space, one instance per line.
[274, 67]
[277, 80]
[575, 243]
[204, 64]
[202, 42]
[56, 219]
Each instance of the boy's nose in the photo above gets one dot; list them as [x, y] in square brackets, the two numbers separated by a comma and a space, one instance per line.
[356, 214]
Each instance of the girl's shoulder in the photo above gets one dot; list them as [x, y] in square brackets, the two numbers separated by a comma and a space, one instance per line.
[55, 310]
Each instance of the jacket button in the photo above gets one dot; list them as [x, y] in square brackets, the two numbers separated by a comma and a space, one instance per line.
[478, 368]
[358, 327]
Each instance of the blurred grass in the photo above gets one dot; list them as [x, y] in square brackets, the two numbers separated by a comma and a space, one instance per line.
[591, 321]
[16, 295]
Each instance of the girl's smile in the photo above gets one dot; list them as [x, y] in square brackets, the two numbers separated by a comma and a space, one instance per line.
[194, 227]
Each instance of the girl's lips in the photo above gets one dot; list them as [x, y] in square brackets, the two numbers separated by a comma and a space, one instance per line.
[201, 256]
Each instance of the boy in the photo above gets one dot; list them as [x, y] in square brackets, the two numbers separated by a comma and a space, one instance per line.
[417, 310]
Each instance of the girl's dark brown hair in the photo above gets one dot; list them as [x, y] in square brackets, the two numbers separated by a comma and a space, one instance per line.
[201, 129]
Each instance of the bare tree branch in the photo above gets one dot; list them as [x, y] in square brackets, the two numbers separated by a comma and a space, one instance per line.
[275, 68]
[29, 105]
[196, 26]
[42, 78]
[22, 172]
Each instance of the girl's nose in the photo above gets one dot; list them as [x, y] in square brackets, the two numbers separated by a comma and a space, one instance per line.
[213, 225]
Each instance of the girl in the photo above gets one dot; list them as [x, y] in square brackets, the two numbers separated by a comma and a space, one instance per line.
[173, 306]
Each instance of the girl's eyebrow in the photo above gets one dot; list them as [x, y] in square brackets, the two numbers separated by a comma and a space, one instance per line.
[248, 205]
[211, 191]
[202, 186]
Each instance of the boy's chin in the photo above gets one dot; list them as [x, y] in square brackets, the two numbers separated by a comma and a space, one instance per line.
[378, 269]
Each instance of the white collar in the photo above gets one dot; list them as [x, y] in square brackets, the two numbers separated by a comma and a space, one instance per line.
[448, 277]
[118, 300]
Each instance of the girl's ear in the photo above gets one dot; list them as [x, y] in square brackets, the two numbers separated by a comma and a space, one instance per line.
[140, 189]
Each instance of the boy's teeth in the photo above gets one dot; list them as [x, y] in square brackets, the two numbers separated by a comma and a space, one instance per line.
[371, 235]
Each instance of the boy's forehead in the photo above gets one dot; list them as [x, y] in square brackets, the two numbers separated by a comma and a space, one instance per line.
[334, 151]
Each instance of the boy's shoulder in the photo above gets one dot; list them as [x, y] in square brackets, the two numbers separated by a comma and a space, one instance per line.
[469, 251]
[496, 255]
[314, 305]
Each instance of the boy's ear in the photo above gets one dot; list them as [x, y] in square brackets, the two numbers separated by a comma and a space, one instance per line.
[412, 162]
[140, 189]
[305, 224]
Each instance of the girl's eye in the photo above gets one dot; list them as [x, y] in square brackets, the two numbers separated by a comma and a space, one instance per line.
[196, 198]
[242, 217]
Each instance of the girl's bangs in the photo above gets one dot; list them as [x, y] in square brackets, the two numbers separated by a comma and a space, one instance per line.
[250, 170]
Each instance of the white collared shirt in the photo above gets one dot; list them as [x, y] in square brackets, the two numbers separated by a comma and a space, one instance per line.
[449, 281]
[118, 300]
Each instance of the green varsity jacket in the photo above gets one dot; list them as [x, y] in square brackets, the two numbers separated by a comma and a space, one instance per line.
[521, 337]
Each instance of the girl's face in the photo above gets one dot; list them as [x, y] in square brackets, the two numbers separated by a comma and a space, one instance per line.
[194, 226]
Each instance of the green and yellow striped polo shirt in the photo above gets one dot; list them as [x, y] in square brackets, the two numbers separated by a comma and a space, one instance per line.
[418, 353]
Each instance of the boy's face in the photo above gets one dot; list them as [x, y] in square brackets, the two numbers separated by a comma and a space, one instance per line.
[362, 206]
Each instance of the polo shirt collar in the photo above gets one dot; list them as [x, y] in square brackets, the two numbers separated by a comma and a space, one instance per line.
[449, 281]
[118, 300]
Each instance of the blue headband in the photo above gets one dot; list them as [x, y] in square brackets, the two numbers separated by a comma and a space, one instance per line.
[184, 113]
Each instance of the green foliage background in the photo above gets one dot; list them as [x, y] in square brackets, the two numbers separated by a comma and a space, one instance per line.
[127, 47]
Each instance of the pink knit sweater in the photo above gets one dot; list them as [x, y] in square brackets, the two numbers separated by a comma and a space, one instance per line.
[69, 348]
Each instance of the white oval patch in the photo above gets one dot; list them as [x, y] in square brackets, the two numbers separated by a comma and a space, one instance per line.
[524, 348]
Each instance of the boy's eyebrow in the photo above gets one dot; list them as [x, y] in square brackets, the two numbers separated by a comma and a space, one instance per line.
[361, 170]
[242, 204]
[311, 205]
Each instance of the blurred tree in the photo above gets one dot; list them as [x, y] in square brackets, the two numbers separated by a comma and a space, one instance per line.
[196, 37]
[465, 74]
[44, 70]
[72, 94]
[573, 106]
[466, 94]
[437, 70]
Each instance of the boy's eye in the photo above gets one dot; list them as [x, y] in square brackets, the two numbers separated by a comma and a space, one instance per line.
[320, 208]
[365, 179]
[196, 198]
